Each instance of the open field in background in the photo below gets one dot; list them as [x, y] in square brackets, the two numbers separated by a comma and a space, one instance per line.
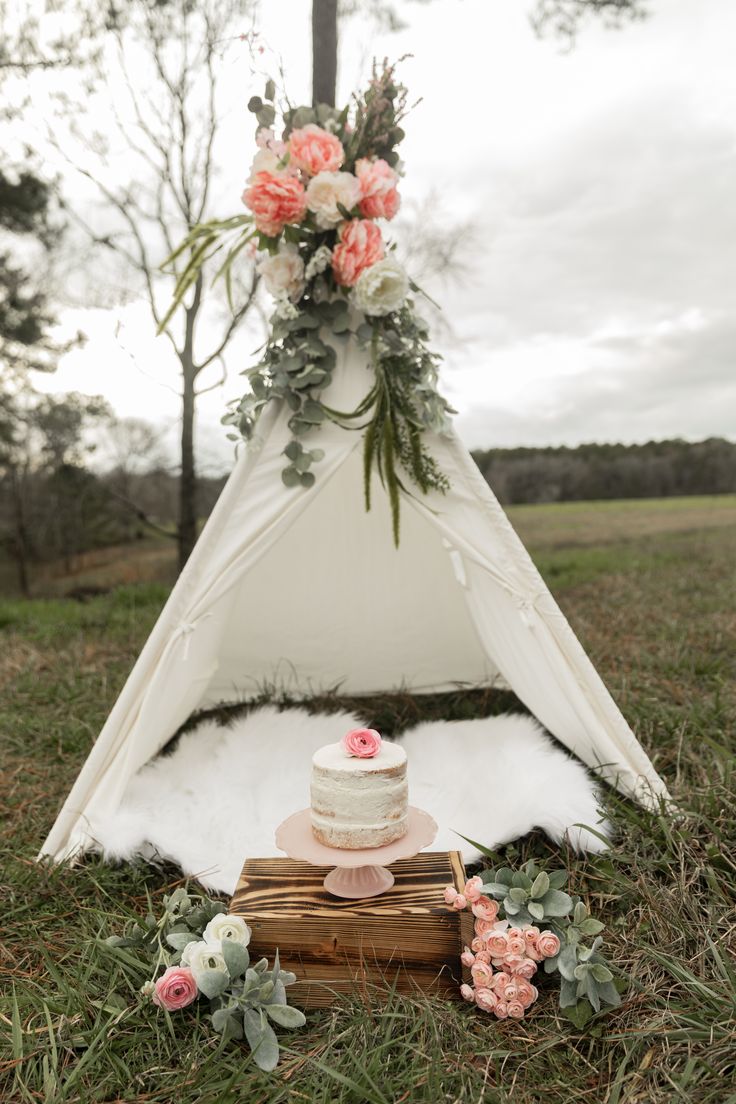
[651, 590]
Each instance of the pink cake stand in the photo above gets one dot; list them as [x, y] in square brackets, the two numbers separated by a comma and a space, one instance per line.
[359, 873]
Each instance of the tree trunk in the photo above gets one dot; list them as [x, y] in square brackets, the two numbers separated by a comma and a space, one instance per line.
[187, 528]
[324, 51]
[20, 543]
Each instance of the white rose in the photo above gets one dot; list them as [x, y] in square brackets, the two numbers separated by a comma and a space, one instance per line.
[283, 272]
[200, 957]
[222, 927]
[326, 190]
[382, 288]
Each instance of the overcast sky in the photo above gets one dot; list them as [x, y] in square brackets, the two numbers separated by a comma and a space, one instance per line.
[598, 298]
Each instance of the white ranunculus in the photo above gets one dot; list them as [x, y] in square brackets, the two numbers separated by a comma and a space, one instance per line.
[283, 272]
[382, 288]
[264, 161]
[202, 956]
[326, 190]
[223, 926]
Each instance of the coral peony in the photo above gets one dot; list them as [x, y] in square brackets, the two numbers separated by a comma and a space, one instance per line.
[380, 198]
[275, 200]
[360, 246]
[175, 989]
[315, 150]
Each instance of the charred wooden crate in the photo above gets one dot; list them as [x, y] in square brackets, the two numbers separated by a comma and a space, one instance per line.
[407, 937]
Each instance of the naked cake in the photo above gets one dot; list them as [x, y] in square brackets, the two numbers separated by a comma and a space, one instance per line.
[359, 792]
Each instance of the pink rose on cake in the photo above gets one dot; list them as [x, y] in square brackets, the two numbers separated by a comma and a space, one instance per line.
[363, 743]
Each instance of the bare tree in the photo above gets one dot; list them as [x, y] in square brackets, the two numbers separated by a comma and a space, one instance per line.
[158, 83]
[564, 18]
[324, 51]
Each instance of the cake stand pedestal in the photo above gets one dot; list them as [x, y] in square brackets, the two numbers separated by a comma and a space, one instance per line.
[357, 873]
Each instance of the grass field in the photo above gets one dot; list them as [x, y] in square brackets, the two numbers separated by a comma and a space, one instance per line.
[649, 587]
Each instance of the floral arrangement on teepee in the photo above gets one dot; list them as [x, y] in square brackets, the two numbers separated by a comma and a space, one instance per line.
[316, 199]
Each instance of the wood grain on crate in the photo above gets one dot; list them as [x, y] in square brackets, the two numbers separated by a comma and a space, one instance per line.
[406, 937]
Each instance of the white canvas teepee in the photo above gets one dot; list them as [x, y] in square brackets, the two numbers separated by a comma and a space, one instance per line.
[302, 590]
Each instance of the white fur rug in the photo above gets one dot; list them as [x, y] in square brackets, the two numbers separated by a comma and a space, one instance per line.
[219, 796]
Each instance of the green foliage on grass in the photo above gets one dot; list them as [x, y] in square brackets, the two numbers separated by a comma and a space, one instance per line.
[656, 613]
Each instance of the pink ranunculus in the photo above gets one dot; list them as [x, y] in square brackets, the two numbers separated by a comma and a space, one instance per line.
[360, 246]
[516, 941]
[497, 943]
[483, 956]
[481, 974]
[275, 200]
[501, 1010]
[548, 945]
[520, 966]
[525, 992]
[380, 197]
[467, 957]
[485, 909]
[315, 150]
[472, 888]
[499, 983]
[449, 893]
[482, 927]
[515, 1010]
[175, 989]
[459, 902]
[362, 743]
[467, 993]
[477, 944]
[531, 934]
[485, 999]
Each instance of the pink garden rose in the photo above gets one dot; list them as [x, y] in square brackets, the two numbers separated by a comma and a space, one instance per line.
[275, 200]
[380, 198]
[486, 999]
[361, 743]
[484, 908]
[548, 944]
[315, 150]
[175, 989]
[472, 888]
[467, 993]
[360, 246]
[481, 974]
[467, 957]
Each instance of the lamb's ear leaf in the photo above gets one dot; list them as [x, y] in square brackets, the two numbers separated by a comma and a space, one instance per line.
[178, 940]
[212, 982]
[236, 957]
[261, 1039]
[285, 1015]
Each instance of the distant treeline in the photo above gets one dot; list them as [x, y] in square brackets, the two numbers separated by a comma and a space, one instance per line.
[589, 472]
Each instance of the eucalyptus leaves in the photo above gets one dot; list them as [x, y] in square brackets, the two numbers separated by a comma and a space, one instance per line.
[205, 952]
[525, 922]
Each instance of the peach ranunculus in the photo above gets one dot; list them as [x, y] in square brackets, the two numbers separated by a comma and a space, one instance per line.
[459, 902]
[525, 992]
[515, 1010]
[467, 993]
[361, 743]
[275, 200]
[520, 966]
[360, 246]
[485, 999]
[548, 944]
[175, 989]
[315, 150]
[497, 943]
[467, 957]
[516, 941]
[482, 927]
[380, 197]
[472, 888]
[481, 974]
[477, 944]
[484, 908]
[449, 893]
[483, 956]
[501, 1010]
